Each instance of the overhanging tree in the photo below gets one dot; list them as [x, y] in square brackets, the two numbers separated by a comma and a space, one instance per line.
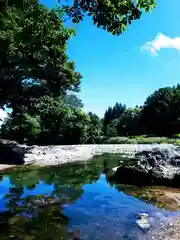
[111, 15]
[32, 53]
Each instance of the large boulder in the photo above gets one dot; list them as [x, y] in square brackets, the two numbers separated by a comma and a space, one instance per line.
[11, 153]
[152, 167]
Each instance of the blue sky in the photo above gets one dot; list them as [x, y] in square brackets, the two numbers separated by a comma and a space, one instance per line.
[125, 68]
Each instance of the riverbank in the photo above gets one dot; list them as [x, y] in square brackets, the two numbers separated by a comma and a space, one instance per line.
[53, 155]
[170, 232]
[4, 166]
[61, 154]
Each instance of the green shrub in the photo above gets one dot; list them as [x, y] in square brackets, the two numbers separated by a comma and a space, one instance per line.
[117, 140]
[150, 140]
[142, 139]
[177, 135]
[140, 136]
[178, 142]
[171, 140]
[100, 139]
[132, 141]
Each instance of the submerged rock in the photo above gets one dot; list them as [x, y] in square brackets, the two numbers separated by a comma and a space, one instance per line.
[142, 215]
[143, 221]
[162, 197]
[151, 167]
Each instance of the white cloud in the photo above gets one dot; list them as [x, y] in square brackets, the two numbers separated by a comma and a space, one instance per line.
[161, 41]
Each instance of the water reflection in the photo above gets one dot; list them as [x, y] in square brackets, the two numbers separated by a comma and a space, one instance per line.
[73, 201]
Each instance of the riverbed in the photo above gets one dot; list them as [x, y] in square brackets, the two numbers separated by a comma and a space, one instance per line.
[73, 201]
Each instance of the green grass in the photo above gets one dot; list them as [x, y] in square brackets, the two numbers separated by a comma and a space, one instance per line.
[142, 140]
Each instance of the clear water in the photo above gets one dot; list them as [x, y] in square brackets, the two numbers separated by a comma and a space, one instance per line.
[73, 201]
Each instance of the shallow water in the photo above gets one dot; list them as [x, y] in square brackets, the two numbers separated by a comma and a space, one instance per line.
[73, 201]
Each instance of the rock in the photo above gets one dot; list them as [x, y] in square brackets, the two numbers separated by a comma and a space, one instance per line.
[11, 153]
[142, 215]
[143, 223]
[45, 201]
[169, 231]
[28, 161]
[151, 167]
[170, 224]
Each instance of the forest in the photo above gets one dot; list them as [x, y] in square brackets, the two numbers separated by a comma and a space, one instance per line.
[39, 82]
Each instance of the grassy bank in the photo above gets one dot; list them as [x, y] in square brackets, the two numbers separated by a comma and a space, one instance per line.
[138, 140]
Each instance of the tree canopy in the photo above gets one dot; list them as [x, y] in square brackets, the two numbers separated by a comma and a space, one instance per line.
[113, 113]
[160, 116]
[112, 16]
[161, 111]
[33, 61]
[39, 81]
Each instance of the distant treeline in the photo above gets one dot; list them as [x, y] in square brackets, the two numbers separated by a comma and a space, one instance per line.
[160, 116]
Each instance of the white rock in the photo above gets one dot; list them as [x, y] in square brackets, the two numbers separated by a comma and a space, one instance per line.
[142, 215]
[143, 223]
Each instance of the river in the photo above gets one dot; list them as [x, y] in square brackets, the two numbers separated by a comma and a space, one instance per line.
[73, 201]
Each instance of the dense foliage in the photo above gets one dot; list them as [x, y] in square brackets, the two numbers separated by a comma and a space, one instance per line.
[52, 121]
[110, 15]
[113, 113]
[121, 121]
[36, 78]
[61, 120]
[161, 112]
[159, 116]
[33, 61]
[39, 82]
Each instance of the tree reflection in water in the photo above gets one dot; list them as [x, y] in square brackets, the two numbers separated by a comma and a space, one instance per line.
[41, 216]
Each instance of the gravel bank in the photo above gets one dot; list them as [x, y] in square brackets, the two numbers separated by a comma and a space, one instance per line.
[170, 232]
[53, 155]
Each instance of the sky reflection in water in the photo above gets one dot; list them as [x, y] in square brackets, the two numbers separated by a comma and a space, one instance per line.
[95, 209]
